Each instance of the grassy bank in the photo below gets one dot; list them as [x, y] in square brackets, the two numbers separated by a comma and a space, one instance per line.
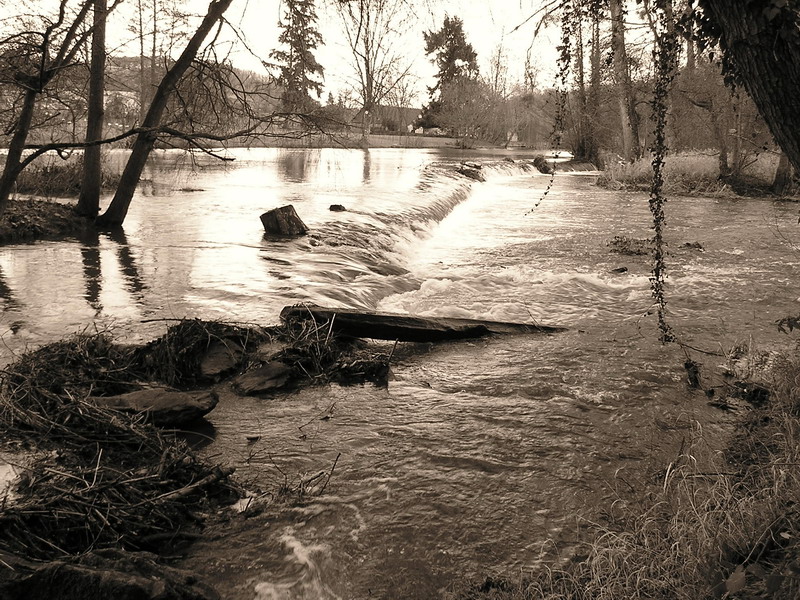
[694, 174]
[711, 525]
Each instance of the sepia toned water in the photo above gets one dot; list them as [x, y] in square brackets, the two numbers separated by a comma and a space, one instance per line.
[481, 457]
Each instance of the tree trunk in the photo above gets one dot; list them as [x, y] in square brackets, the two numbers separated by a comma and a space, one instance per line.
[627, 106]
[593, 154]
[783, 176]
[91, 180]
[766, 53]
[118, 209]
[583, 144]
[17, 145]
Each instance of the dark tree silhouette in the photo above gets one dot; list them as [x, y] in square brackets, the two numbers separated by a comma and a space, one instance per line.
[298, 66]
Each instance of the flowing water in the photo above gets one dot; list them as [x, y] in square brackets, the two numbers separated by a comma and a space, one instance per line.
[481, 456]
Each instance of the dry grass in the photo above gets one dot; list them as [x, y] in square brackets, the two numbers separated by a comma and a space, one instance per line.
[717, 525]
[691, 175]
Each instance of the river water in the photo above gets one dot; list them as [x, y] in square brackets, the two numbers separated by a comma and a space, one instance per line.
[481, 457]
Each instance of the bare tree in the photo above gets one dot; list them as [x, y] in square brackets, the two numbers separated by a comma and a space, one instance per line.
[146, 138]
[91, 181]
[372, 29]
[631, 148]
[37, 51]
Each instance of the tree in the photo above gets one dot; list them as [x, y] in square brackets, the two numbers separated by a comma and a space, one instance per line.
[37, 52]
[372, 28]
[298, 66]
[456, 61]
[760, 42]
[631, 149]
[89, 200]
[146, 138]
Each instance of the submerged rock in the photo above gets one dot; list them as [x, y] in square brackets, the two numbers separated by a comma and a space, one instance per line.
[283, 221]
[337, 208]
[163, 406]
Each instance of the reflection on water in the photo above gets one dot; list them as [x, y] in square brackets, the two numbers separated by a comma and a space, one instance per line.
[479, 456]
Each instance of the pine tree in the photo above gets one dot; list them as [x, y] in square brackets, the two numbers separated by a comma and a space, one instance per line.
[298, 66]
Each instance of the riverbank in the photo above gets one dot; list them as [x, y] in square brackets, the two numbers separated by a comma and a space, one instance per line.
[709, 524]
[696, 174]
[97, 478]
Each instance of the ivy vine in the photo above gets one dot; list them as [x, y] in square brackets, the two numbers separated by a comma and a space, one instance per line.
[665, 58]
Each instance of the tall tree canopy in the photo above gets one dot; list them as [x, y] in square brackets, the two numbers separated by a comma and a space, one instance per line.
[457, 63]
[300, 72]
[453, 55]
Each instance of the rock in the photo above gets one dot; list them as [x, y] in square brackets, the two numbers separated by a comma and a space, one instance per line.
[283, 221]
[266, 378]
[544, 167]
[337, 208]
[222, 357]
[692, 245]
[269, 350]
[473, 165]
[619, 270]
[163, 406]
[471, 172]
[103, 574]
[508, 159]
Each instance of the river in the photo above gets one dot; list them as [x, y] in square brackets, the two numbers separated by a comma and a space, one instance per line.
[481, 457]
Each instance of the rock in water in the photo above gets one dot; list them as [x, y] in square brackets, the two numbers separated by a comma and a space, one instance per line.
[283, 221]
[544, 167]
[471, 172]
[337, 208]
[266, 378]
[222, 357]
[163, 406]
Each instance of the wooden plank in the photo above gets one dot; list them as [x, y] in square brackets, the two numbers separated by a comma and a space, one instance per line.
[407, 328]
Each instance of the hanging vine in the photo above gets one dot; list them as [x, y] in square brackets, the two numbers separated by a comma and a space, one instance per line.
[570, 18]
[665, 58]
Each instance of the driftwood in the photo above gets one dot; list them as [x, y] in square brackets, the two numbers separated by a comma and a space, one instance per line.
[387, 326]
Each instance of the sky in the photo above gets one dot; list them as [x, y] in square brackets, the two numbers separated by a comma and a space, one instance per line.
[486, 24]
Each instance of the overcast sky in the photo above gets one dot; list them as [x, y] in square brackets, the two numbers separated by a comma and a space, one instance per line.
[486, 24]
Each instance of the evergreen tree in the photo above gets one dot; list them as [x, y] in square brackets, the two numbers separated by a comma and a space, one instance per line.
[456, 60]
[298, 66]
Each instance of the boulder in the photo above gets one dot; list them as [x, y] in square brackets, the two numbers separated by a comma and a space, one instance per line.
[266, 378]
[337, 208]
[283, 221]
[222, 357]
[471, 172]
[164, 407]
[103, 574]
[544, 167]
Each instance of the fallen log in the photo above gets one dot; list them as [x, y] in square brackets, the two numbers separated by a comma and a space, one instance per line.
[406, 328]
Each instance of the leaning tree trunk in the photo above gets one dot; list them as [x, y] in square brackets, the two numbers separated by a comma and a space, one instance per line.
[118, 209]
[765, 52]
[627, 106]
[16, 146]
[91, 180]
